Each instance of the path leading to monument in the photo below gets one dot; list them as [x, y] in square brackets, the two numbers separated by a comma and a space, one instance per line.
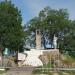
[26, 69]
[20, 71]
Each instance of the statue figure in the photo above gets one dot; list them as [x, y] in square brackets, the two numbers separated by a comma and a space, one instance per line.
[6, 52]
[55, 42]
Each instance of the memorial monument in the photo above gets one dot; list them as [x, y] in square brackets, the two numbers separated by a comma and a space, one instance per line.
[33, 55]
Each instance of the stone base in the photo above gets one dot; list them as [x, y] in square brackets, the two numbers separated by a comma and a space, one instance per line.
[33, 55]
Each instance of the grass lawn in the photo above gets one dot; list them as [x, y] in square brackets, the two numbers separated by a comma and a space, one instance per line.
[1, 72]
[67, 58]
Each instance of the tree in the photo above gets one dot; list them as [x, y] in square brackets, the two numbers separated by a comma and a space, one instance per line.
[69, 40]
[50, 22]
[11, 30]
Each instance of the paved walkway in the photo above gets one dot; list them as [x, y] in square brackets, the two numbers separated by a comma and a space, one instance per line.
[20, 71]
[16, 73]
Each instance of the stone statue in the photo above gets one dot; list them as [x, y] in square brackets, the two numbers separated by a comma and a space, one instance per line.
[55, 42]
[6, 51]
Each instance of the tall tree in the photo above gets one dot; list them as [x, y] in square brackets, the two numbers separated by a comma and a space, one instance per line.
[50, 22]
[11, 30]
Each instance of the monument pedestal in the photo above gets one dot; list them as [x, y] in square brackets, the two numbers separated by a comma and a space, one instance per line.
[33, 58]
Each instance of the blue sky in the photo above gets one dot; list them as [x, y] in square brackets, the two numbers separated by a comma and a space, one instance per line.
[31, 8]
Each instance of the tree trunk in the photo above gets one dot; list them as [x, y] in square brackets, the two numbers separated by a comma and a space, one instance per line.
[17, 57]
[44, 42]
[1, 54]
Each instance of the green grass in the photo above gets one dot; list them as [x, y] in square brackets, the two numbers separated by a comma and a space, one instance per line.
[40, 69]
[49, 65]
[70, 72]
[6, 69]
[1, 72]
